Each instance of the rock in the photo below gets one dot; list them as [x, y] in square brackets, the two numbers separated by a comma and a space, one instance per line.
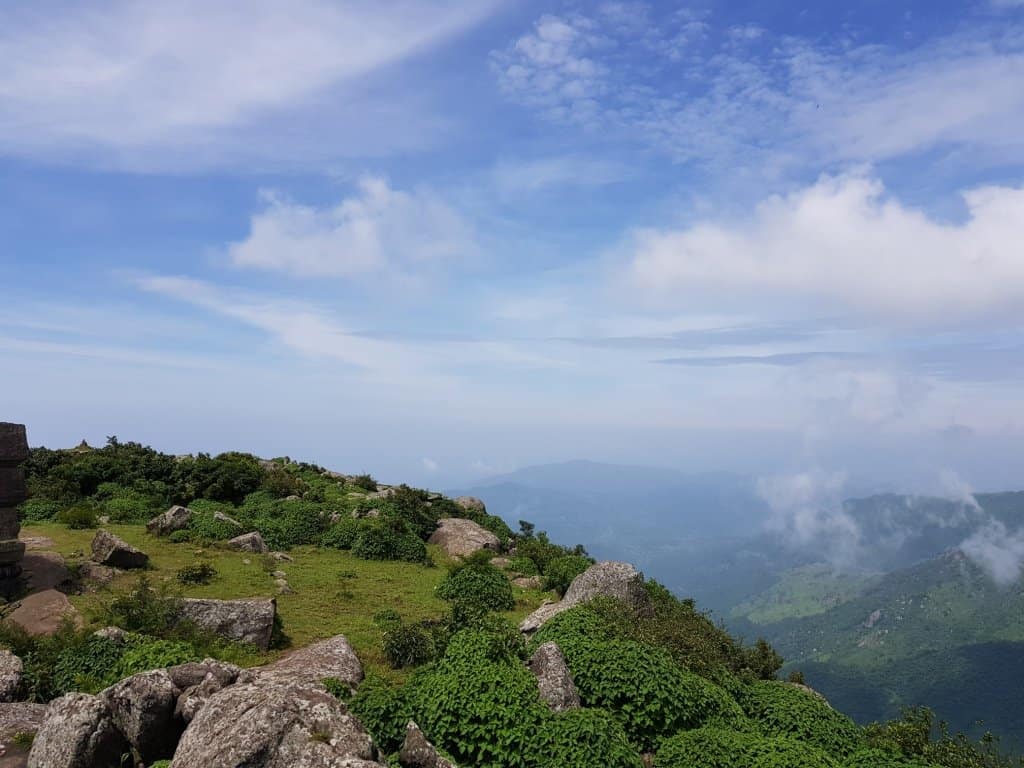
[92, 576]
[809, 691]
[198, 681]
[20, 717]
[248, 542]
[283, 587]
[501, 562]
[554, 679]
[10, 676]
[605, 579]
[333, 657]
[418, 752]
[174, 519]
[282, 557]
[383, 493]
[44, 570]
[471, 503]
[108, 549]
[114, 634]
[274, 722]
[44, 612]
[37, 542]
[529, 582]
[142, 709]
[220, 516]
[279, 574]
[459, 537]
[78, 732]
[247, 621]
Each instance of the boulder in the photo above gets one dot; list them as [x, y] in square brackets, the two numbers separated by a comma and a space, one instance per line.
[93, 576]
[142, 708]
[44, 612]
[174, 519]
[11, 669]
[528, 582]
[221, 517]
[283, 587]
[274, 722]
[608, 578]
[78, 732]
[115, 635]
[20, 717]
[108, 549]
[249, 620]
[459, 537]
[471, 503]
[248, 542]
[418, 752]
[199, 680]
[333, 657]
[501, 562]
[554, 679]
[44, 570]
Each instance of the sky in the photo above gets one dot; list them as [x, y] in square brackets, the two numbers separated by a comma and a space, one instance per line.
[438, 241]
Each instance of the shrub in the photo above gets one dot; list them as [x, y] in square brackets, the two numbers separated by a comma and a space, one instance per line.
[78, 517]
[479, 584]
[542, 550]
[388, 540]
[365, 482]
[38, 509]
[480, 710]
[85, 665]
[384, 710]
[342, 534]
[204, 527]
[717, 748]
[148, 653]
[780, 709]
[180, 537]
[580, 738]
[196, 573]
[524, 565]
[145, 609]
[878, 758]
[409, 645]
[646, 689]
[128, 509]
[560, 571]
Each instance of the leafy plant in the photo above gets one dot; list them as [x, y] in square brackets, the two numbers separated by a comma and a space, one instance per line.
[78, 517]
[780, 709]
[196, 573]
[719, 748]
[479, 584]
[384, 709]
[560, 571]
[580, 738]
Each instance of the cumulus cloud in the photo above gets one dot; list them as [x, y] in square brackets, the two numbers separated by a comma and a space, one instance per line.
[998, 551]
[379, 228]
[119, 77]
[843, 239]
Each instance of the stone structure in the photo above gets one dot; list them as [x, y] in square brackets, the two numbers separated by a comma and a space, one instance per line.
[13, 451]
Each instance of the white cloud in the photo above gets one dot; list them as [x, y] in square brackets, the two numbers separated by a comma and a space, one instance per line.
[998, 551]
[119, 77]
[429, 465]
[378, 229]
[524, 177]
[843, 240]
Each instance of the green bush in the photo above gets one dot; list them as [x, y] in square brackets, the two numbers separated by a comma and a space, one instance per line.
[342, 534]
[718, 748]
[196, 573]
[384, 710]
[481, 710]
[479, 584]
[203, 527]
[388, 540]
[144, 609]
[878, 758]
[364, 482]
[560, 571]
[581, 738]
[125, 509]
[87, 665]
[652, 695]
[179, 537]
[38, 509]
[78, 517]
[409, 645]
[524, 565]
[146, 654]
[781, 709]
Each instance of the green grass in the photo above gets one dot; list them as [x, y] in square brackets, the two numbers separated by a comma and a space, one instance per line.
[334, 592]
[805, 591]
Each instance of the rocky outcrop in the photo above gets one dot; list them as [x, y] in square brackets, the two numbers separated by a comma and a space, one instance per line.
[274, 722]
[246, 621]
[248, 542]
[142, 708]
[174, 519]
[333, 657]
[11, 670]
[459, 537]
[78, 732]
[418, 752]
[621, 581]
[554, 679]
[108, 549]
[20, 717]
[44, 612]
[471, 503]
[199, 680]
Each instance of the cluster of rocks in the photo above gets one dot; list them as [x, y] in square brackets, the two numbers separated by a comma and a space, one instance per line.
[214, 715]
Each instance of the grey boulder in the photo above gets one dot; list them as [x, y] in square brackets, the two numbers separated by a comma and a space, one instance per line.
[142, 708]
[174, 519]
[554, 679]
[108, 549]
[333, 657]
[248, 542]
[274, 723]
[471, 503]
[11, 670]
[608, 578]
[78, 732]
[459, 537]
[418, 752]
[199, 680]
[249, 620]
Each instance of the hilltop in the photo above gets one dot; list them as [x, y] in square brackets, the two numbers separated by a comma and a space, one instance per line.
[370, 607]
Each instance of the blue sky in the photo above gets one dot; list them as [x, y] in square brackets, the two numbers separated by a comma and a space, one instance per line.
[442, 240]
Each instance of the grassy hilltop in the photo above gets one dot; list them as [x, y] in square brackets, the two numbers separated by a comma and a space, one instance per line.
[666, 686]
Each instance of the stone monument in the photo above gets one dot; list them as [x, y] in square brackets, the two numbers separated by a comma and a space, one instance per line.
[13, 451]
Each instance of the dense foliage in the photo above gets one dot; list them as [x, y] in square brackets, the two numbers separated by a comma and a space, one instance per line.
[782, 709]
[478, 584]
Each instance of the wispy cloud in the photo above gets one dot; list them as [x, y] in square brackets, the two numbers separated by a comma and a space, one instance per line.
[378, 229]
